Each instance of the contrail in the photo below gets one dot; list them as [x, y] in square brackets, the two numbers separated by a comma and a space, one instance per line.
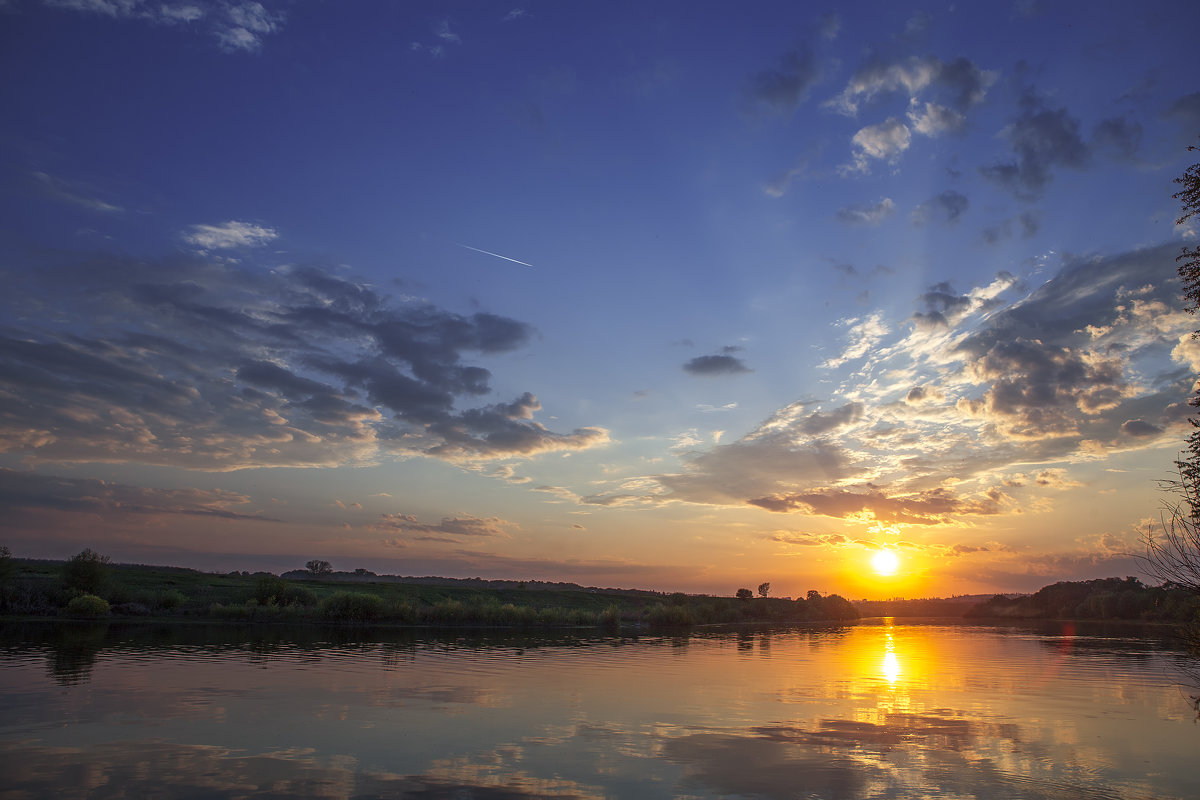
[490, 253]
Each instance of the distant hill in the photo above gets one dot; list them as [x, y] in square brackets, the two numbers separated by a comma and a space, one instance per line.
[955, 606]
[366, 576]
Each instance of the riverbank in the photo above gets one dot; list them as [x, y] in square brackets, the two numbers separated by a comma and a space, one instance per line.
[49, 589]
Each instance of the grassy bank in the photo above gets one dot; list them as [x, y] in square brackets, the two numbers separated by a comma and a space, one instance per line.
[43, 588]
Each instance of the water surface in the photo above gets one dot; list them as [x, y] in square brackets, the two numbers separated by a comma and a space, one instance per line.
[867, 711]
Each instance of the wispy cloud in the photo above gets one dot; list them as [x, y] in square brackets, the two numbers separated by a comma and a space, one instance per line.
[236, 26]
[227, 235]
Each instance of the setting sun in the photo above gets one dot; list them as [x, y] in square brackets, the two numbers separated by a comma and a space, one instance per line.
[885, 562]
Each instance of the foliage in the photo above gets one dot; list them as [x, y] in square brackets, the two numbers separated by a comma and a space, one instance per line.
[86, 572]
[1102, 598]
[1174, 557]
[88, 605]
[7, 565]
[352, 607]
[744, 594]
[269, 589]
[318, 567]
[764, 589]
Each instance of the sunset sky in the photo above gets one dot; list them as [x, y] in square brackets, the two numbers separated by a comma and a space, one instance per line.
[668, 295]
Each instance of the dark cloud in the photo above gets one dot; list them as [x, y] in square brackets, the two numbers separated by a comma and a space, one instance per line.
[786, 86]
[1041, 140]
[931, 507]
[1028, 222]
[1118, 137]
[942, 306]
[724, 364]
[1185, 112]
[1139, 428]
[209, 365]
[945, 208]
[22, 491]
[451, 529]
[1037, 388]
[817, 423]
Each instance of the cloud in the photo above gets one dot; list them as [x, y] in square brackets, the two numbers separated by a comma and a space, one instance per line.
[979, 383]
[863, 334]
[444, 35]
[74, 193]
[449, 528]
[1118, 136]
[885, 141]
[1185, 113]
[24, 491]
[959, 84]
[724, 364]
[934, 120]
[1041, 140]
[207, 365]
[228, 235]
[237, 26]
[786, 86]
[1029, 223]
[945, 208]
[867, 215]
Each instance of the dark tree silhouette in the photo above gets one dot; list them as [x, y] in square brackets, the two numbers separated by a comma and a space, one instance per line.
[86, 572]
[744, 594]
[1174, 557]
[764, 589]
[318, 567]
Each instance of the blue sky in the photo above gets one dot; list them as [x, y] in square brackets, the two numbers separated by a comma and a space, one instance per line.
[670, 295]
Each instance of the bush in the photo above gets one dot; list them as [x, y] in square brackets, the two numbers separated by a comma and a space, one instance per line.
[88, 605]
[170, 600]
[86, 572]
[352, 607]
[610, 617]
[269, 589]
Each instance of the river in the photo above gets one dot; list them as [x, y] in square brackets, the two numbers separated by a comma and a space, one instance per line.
[881, 709]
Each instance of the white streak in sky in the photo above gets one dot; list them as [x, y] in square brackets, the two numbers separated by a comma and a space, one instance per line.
[490, 253]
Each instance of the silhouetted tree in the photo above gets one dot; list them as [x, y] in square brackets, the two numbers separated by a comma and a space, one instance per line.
[1189, 273]
[318, 567]
[1174, 557]
[764, 589]
[86, 572]
[7, 565]
[744, 594]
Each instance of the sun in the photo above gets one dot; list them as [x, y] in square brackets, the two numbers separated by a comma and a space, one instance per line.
[885, 562]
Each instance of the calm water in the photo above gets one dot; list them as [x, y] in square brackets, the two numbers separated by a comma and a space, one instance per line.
[869, 711]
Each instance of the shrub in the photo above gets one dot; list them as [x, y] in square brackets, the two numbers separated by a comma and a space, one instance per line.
[610, 617]
[88, 605]
[86, 572]
[352, 607]
[170, 599]
[669, 616]
[293, 595]
[269, 589]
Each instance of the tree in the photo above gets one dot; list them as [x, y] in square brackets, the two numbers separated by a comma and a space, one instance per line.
[1174, 558]
[86, 572]
[318, 567]
[744, 594]
[7, 565]
[764, 589]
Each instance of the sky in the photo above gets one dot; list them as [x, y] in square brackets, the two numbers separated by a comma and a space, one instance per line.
[673, 295]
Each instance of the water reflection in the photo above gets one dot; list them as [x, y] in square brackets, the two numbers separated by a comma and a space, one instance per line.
[891, 663]
[881, 711]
